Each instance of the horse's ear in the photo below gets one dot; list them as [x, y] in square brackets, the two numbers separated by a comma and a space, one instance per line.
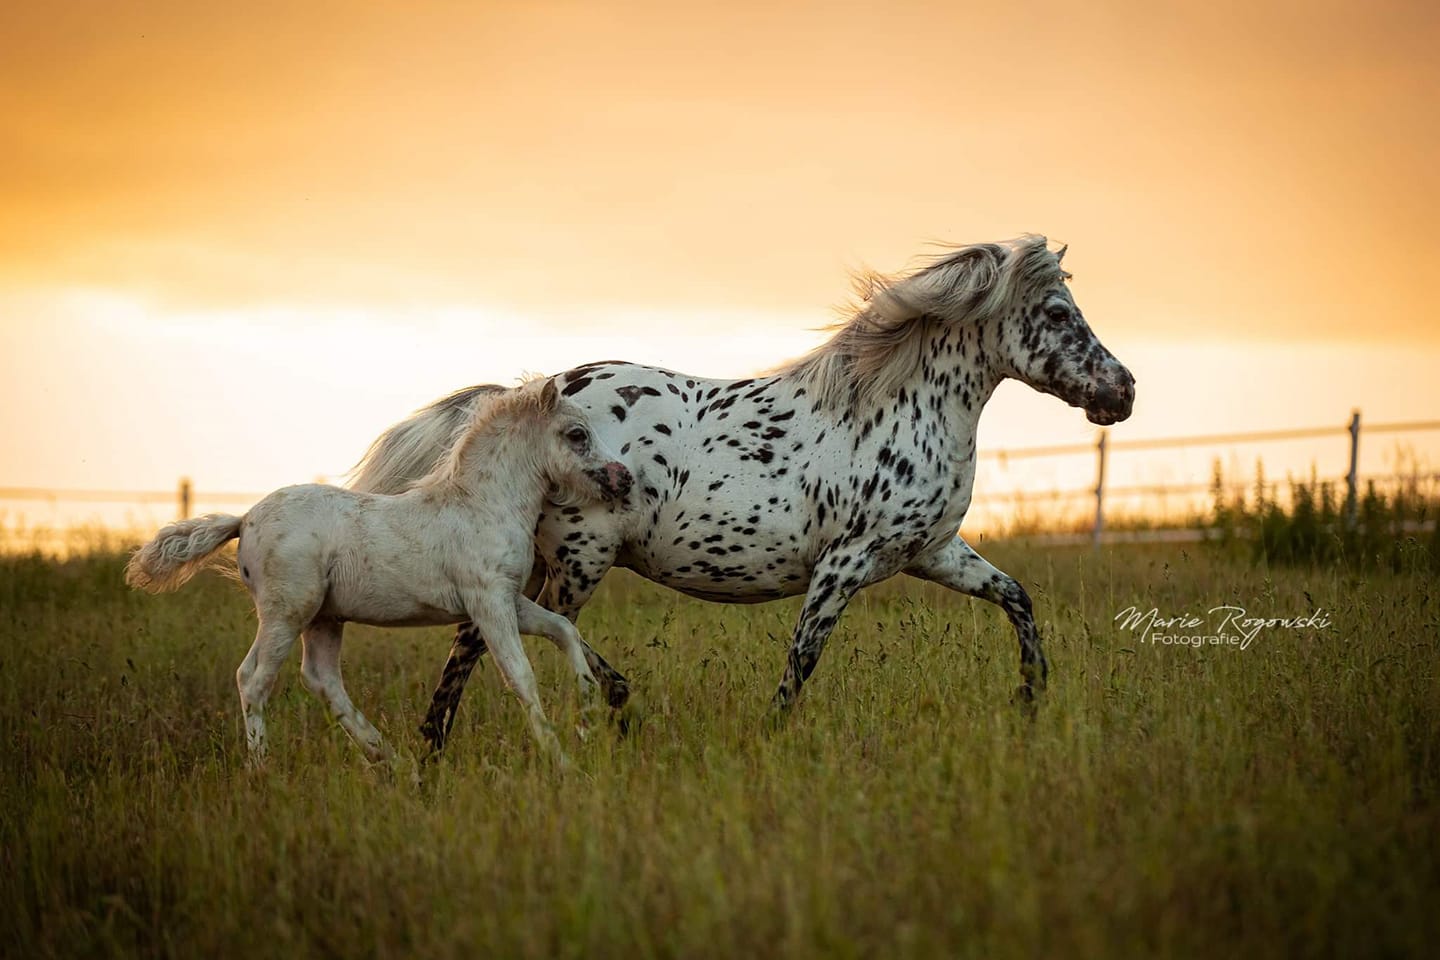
[549, 397]
[1060, 254]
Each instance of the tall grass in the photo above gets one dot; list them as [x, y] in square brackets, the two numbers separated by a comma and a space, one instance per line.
[1164, 801]
[1392, 529]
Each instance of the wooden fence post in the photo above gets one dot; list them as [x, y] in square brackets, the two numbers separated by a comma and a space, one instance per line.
[1352, 479]
[1100, 449]
[184, 498]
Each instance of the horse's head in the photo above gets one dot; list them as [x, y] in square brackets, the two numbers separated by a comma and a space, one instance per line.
[580, 468]
[1045, 342]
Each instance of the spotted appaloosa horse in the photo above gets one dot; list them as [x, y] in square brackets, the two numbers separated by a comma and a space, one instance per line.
[838, 470]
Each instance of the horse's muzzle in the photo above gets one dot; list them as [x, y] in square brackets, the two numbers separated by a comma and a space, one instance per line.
[614, 480]
[1112, 402]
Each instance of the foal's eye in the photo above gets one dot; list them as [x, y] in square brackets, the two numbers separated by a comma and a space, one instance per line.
[576, 436]
[1058, 312]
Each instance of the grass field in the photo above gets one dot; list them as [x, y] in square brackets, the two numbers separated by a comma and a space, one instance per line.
[1282, 799]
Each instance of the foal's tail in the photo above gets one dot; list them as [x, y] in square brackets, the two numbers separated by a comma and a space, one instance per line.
[180, 551]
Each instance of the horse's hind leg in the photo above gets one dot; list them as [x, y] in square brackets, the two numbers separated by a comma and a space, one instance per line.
[465, 652]
[536, 621]
[256, 676]
[501, 625]
[568, 587]
[320, 668]
[565, 590]
[960, 568]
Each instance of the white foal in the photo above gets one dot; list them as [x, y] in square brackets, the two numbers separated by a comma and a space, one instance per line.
[457, 546]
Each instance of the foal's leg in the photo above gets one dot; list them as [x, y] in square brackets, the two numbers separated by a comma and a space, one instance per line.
[958, 567]
[256, 676]
[567, 588]
[320, 668]
[836, 578]
[465, 652]
[539, 622]
[502, 628]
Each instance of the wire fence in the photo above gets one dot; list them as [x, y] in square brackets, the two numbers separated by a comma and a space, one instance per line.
[1102, 494]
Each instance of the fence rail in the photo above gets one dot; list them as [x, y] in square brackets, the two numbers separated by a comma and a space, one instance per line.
[184, 495]
[1103, 446]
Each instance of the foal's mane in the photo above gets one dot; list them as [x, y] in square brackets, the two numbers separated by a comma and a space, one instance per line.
[498, 417]
[880, 347]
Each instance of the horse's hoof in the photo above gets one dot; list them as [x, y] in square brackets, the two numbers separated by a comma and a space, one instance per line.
[434, 739]
[628, 719]
[1024, 698]
[617, 694]
[777, 718]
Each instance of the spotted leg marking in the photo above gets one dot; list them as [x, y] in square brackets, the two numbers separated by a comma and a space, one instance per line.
[960, 568]
[834, 582]
[536, 621]
[465, 652]
[575, 569]
[566, 590]
[613, 685]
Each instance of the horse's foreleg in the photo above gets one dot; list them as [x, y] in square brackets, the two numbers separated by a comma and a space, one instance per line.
[960, 568]
[831, 587]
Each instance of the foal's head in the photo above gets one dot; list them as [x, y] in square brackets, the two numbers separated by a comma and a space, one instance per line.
[577, 465]
[1044, 341]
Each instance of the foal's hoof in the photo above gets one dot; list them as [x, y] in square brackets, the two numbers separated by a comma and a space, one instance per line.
[405, 770]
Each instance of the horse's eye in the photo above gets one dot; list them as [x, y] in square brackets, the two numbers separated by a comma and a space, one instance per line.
[1058, 312]
[576, 436]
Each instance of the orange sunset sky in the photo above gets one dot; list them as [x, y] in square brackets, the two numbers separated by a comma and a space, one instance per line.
[239, 240]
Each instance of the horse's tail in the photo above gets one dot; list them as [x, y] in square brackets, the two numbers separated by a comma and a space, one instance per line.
[179, 551]
[414, 446]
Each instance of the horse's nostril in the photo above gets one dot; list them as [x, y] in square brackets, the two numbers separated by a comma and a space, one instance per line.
[618, 476]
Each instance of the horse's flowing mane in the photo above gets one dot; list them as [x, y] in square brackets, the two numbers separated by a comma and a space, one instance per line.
[490, 421]
[404, 454]
[879, 348]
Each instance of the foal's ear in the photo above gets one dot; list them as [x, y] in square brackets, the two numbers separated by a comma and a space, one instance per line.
[1060, 254]
[549, 397]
